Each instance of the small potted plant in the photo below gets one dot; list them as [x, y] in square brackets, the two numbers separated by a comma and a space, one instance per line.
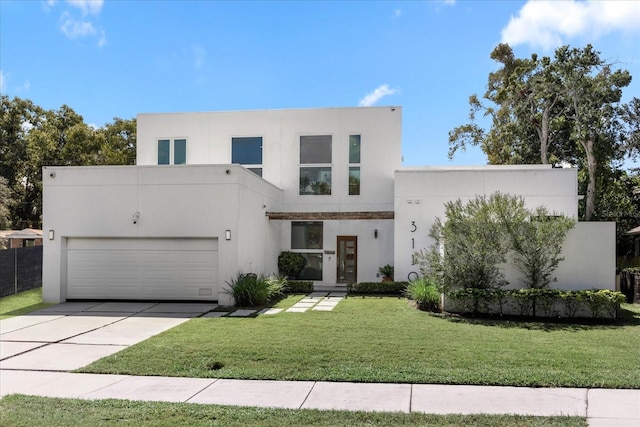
[387, 273]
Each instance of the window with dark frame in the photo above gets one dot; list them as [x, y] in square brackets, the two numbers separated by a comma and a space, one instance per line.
[315, 164]
[247, 151]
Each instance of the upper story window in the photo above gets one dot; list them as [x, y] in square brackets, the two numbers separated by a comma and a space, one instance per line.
[354, 165]
[247, 151]
[315, 164]
[172, 151]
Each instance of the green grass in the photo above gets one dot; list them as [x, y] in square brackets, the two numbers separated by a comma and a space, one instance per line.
[382, 339]
[22, 303]
[17, 410]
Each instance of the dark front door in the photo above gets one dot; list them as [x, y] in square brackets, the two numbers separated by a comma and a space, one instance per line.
[347, 259]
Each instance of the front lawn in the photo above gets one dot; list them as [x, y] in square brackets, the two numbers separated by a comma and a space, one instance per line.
[22, 303]
[382, 339]
[17, 410]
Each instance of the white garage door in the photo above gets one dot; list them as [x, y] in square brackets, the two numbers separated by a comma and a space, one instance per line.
[151, 269]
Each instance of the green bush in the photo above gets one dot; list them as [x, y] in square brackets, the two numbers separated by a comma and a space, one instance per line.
[377, 288]
[290, 264]
[299, 287]
[539, 302]
[249, 290]
[386, 270]
[425, 293]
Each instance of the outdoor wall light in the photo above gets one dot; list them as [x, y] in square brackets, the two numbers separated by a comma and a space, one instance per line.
[51, 234]
[375, 233]
[227, 235]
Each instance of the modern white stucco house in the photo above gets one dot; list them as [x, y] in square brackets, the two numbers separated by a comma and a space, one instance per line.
[218, 193]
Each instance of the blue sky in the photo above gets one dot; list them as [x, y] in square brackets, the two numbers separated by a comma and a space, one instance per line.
[109, 59]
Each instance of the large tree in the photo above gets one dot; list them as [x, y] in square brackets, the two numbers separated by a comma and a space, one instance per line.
[556, 110]
[32, 137]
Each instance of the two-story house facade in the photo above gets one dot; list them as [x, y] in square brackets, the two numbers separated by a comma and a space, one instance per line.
[216, 194]
[232, 189]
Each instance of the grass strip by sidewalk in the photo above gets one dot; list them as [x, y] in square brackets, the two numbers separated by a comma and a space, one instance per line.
[18, 410]
[22, 303]
[382, 339]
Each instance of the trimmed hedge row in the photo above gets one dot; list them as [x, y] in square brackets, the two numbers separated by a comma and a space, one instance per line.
[298, 287]
[538, 302]
[377, 288]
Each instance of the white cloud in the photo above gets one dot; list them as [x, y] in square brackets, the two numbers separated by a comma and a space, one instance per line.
[88, 7]
[378, 93]
[200, 55]
[74, 29]
[397, 13]
[24, 87]
[547, 24]
[103, 39]
[2, 81]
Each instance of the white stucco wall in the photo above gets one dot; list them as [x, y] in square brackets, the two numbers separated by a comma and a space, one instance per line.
[209, 137]
[173, 201]
[420, 195]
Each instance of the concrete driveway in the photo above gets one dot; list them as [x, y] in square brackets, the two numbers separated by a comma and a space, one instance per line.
[71, 335]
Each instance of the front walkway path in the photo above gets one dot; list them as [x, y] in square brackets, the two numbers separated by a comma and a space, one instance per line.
[601, 407]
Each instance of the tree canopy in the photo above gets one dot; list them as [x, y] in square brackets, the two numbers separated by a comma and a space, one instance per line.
[561, 110]
[32, 137]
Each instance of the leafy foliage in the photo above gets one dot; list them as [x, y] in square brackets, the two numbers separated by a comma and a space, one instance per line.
[560, 110]
[424, 291]
[537, 245]
[249, 290]
[298, 286]
[377, 288]
[601, 303]
[476, 238]
[291, 263]
[469, 246]
[32, 137]
[386, 270]
[5, 204]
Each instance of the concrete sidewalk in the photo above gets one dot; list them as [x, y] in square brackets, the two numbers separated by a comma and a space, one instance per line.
[602, 407]
[37, 351]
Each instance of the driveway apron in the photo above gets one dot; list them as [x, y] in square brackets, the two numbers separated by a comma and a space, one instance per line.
[71, 335]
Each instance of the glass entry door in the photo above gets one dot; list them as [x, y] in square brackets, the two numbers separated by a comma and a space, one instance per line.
[347, 259]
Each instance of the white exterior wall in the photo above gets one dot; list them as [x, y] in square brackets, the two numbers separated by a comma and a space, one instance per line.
[209, 138]
[173, 202]
[420, 195]
[209, 142]
[373, 252]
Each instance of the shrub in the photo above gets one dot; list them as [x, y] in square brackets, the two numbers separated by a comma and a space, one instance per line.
[377, 288]
[424, 291]
[475, 239]
[535, 302]
[249, 290]
[386, 270]
[298, 286]
[291, 264]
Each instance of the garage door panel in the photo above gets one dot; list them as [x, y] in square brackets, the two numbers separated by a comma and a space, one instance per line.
[142, 269]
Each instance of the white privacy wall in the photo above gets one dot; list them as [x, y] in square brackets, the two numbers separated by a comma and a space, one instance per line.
[173, 202]
[420, 195]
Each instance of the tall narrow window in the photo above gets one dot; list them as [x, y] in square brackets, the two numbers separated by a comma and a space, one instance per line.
[315, 164]
[306, 239]
[164, 151]
[354, 165]
[180, 152]
[247, 151]
[172, 152]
